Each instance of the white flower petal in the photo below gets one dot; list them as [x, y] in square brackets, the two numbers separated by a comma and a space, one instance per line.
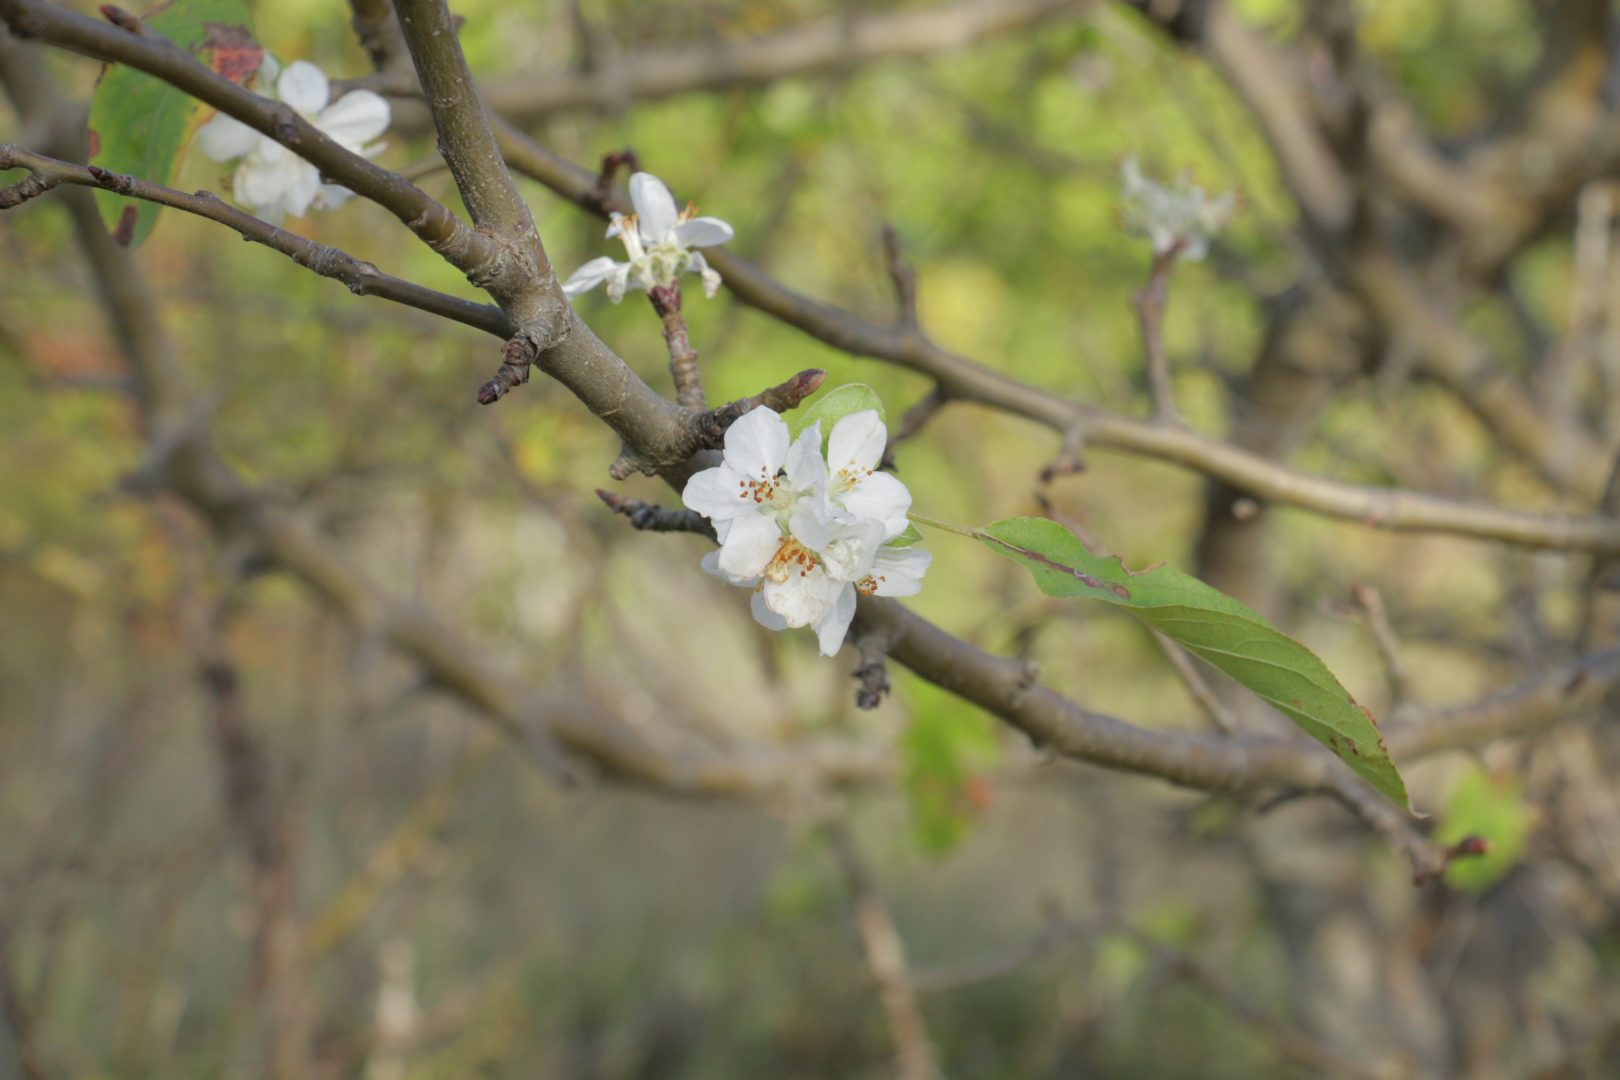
[355, 118]
[588, 277]
[264, 79]
[857, 441]
[226, 137]
[718, 494]
[850, 553]
[306, 184]
[832, 626]
[811, 522]
[757, 444]
[655, 206]
[703, 232]
[763, 615]
[899, 571]
[801, 599]
[260, 184]
[750, 545]
[618, 281]
[806, 472]
[711, 282]
[879, 497]
[303, 86]
[332, 196]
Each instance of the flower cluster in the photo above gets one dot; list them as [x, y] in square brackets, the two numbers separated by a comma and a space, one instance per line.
[271, 180]
[807, 533]
[1170, 215]
[660, 242]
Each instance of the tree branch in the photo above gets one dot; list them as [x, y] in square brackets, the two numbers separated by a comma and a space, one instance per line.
[361, 278]
[961, 379]
[837, 43]
[521, 279]
[886, 957]
[478, 256]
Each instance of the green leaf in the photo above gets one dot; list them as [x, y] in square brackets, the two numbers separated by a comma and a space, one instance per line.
[907, 538]
[835, 405]
[1491, 807]
[1213, 626]
[143, 126]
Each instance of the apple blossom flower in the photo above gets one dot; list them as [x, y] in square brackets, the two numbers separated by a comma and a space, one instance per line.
[764, 489]
[1170, 215]
[806, 541]
[855, 487]
[272, 180]
[659, 241]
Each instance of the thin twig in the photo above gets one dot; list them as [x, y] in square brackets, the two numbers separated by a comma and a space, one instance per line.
[710, 427]
[904, 277]
[683, 369]
[1150, 304]
[1371, 604]
[914, 420]
[1222, 717]
[652, 518]
[361, 278]
[873, 672]
[886, 956]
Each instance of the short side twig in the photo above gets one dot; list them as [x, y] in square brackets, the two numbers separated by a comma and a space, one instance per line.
[666, 300]
[1150, 305]
[710, 427]
[650, 517]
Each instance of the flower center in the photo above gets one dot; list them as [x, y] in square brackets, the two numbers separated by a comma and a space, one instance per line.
[791, 558]
[850, 476]
[868, 585]
[760, 491]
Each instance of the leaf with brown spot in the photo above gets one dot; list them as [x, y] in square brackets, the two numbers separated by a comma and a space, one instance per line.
[142, 126]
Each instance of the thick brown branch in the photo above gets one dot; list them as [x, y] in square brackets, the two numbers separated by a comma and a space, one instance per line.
[520, 279]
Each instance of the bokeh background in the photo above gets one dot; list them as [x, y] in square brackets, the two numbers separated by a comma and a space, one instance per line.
[454, 912]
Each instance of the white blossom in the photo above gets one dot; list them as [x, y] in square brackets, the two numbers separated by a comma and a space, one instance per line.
[271, 180]
[661, 244]
[804, 537]
[1168, 215]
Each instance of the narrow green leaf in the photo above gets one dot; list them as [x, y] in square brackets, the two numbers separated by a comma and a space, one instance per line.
[142, 126]
[835, 405]
[1211, 625]
[907, 538]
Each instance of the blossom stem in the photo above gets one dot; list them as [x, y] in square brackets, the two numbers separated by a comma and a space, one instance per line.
[959, 530]
[1150, 304]
[666, 300]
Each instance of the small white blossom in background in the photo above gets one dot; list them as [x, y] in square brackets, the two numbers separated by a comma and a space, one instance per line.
[271, 180]
[1178, 213]
[804, 536]
[659, 241]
